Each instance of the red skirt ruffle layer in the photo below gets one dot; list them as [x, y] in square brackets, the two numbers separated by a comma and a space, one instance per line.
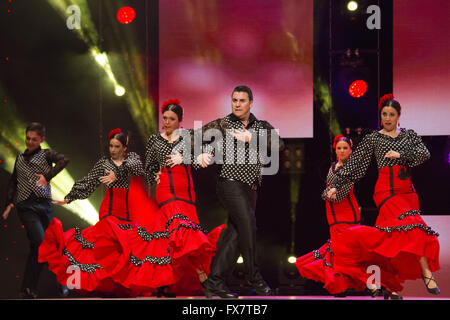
[192, 248]
[318, 266]
[157, 248]
[76, 257]
[103, 252]
[396, 243]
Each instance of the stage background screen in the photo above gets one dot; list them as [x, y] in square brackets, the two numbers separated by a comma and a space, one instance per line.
[206, 48]
[422, 65]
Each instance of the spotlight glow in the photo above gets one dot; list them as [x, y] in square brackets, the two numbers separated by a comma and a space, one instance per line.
[140, 106]
[352, 5]
[101, 59]
[120, 91]
[240, 260]
[292, 259]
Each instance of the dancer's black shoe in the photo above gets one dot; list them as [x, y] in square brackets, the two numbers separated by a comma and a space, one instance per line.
[434, 291]
[218, 290]
[375, 292]
[163, 292]
[389, 295]
[63, 291]
[340, 295]
[260, 287]
[28, 293]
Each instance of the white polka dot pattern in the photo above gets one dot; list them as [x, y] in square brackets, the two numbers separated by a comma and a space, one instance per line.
[27, 166]
[241, 163]
[408, 144]
[343, 191]
[131, 166]
[156, 153]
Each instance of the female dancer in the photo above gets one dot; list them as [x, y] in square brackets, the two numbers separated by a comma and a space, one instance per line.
[400, 244]
[342, 213]
[191, 249]
[94, 251]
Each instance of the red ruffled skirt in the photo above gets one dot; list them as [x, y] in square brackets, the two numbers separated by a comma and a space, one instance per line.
[396, 243]
[318, 265]
[171, 247]
[191, 247]
[93, 261]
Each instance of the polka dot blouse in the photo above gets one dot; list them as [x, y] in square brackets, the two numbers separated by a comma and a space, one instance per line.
[131, 166]
[408, 144]
[343, 191]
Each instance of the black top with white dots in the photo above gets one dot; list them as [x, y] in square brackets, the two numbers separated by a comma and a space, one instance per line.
[343, 191]
[131, 166]
[23, 180]
[156, 153]
[239, 163]
[408, 144]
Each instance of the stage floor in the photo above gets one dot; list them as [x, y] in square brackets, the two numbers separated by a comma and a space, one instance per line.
[251, 298]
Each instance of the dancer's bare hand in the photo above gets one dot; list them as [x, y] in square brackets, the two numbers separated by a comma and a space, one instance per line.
[158, 176]
[61, 202]
[174, 159]
[109, 178]
[204, 159]
[392, 155]
[244, 135]
[42, 182]
[7, 211]
[331, 194]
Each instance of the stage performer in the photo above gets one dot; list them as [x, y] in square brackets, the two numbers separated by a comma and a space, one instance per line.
[240, 175]
[191, 246]
[29, 192]
[102, 252]
[342, 213]
[400, 244]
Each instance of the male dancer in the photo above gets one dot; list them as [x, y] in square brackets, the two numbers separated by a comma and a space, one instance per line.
[30, 193]
[240, 176]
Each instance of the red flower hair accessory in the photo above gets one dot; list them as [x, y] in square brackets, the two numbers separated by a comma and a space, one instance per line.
[336, 140]
[341, 137]
[170, 101]
[384, 98]
[113, 132]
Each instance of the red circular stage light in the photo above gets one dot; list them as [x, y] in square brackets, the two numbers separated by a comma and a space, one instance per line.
[358, 88]
[126, 15]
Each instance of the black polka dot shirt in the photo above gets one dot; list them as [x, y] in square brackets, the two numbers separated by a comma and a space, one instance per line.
[408, 144]
[23, 180]
[243, 162]
[343, 191]
[158, 149]
[131, 166]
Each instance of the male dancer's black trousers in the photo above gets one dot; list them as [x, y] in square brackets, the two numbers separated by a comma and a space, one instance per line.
[36, 215]
[239, 237]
